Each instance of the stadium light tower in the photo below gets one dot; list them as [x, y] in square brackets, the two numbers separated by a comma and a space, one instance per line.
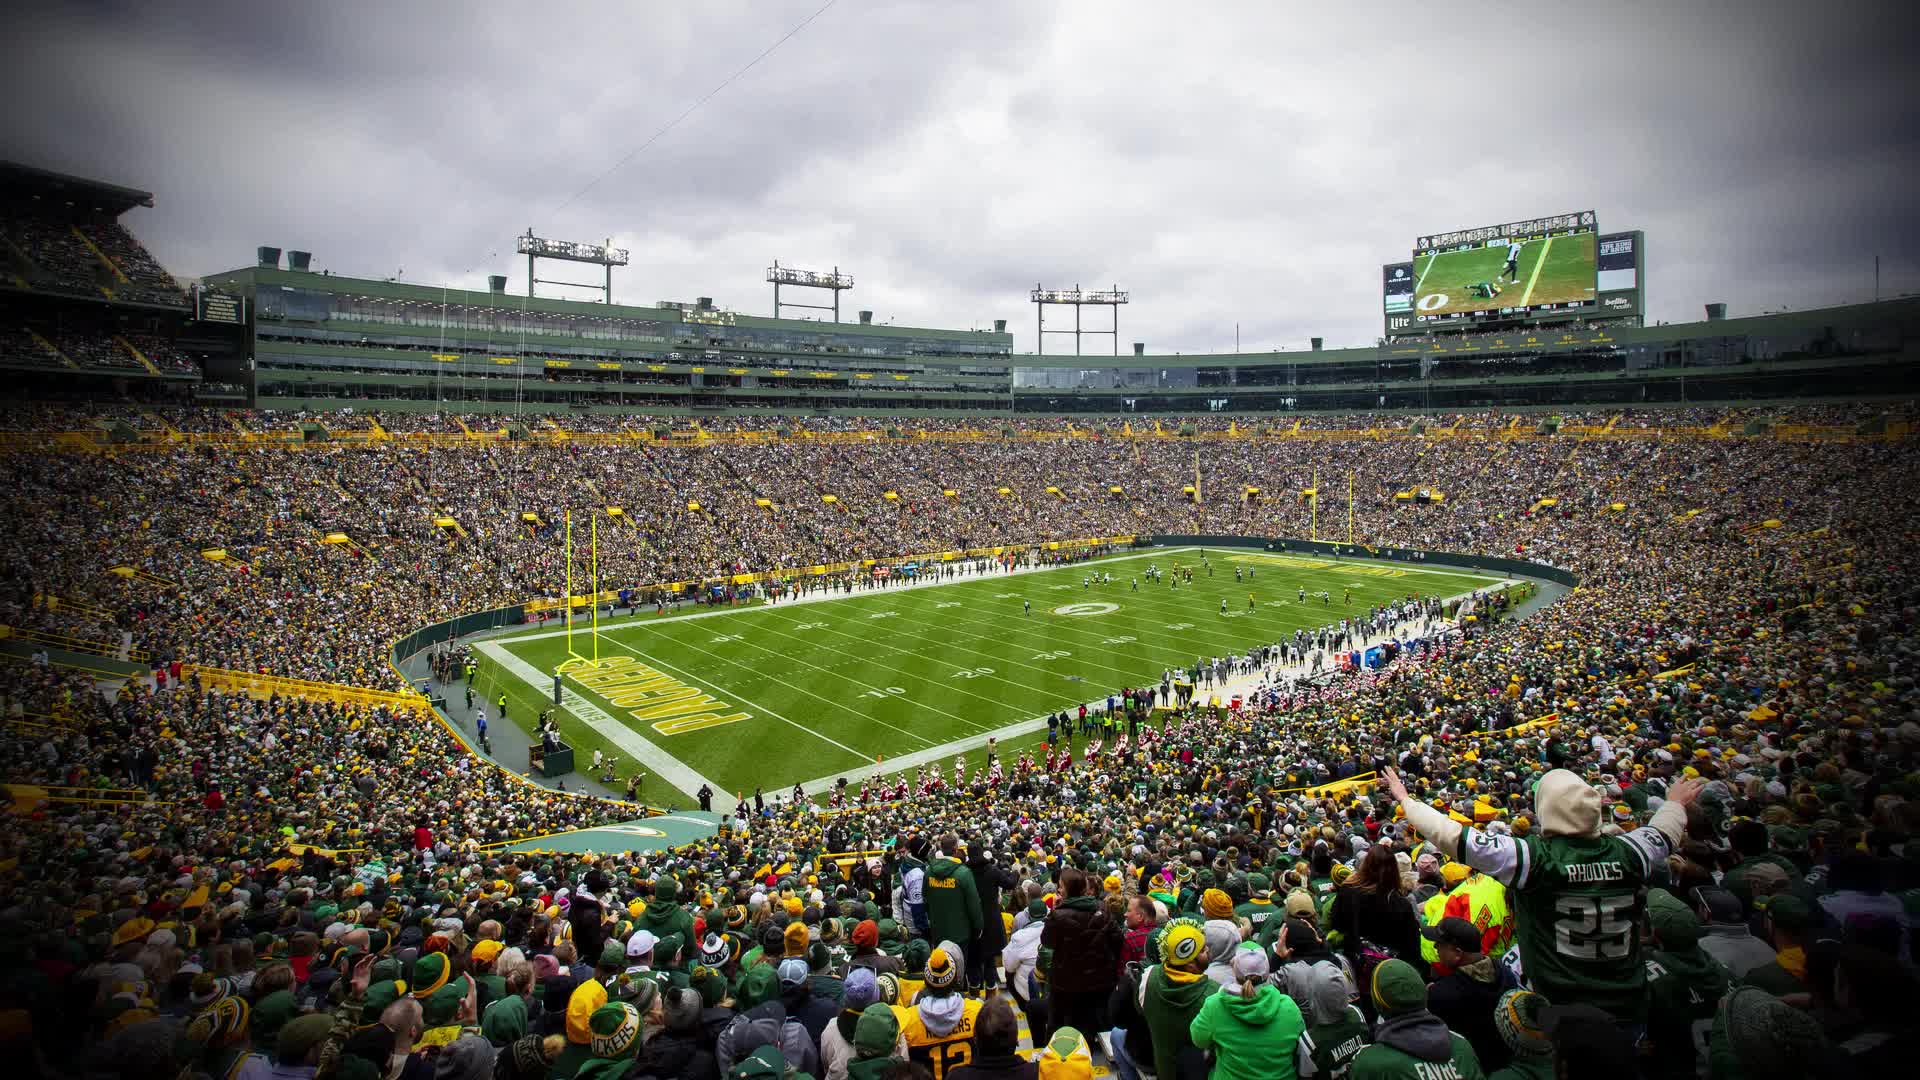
[835, 282]
[605, 255]
[1078, 298]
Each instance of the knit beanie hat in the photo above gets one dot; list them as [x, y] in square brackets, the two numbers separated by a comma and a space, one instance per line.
[861, 989]
[887, 987]
[1215, 904]
[760, 985]
[1770, 1038]
[943, 968]
[866, 934]
[379, 996]
[876, 1032]
[298, 1037]
[682, 1009]
[913, 962]
[795, 940]
[712, 986]
[616, 1029]
[1518, 1018]
[440, 1009]
[613, 955]
[716, 950]
[665, 887]
[1397, 987]
[430, 974]
[1183, 946]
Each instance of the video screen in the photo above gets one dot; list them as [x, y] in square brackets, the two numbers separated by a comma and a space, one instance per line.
[1534, 266]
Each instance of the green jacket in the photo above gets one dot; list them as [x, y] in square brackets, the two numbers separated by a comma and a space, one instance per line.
[1386, 1060]
[953, 905]
[1683, 990]
[664, 917]
[1328, 1050]
[1251, 1039]
[1169, 1006]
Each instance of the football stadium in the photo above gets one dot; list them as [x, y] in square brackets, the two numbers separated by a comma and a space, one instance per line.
[484, 672]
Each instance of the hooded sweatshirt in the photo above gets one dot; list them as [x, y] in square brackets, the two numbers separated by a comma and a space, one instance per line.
[1405, 1042]
[664, 917]
[938, 1029]
[1252, 1038]
[953, 904]
[1222, 938]
[1336, 1031]
[1169, 1000]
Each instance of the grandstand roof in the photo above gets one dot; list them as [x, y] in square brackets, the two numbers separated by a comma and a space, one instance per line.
[26, 181]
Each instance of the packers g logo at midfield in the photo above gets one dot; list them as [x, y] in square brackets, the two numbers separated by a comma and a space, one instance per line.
[1086, 609]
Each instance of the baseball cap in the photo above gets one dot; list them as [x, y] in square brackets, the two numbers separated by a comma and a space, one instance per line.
[641, 943]
[1789, 912]
[1454, 931]
[793, 971]
[1675, 923]
[1721, 906]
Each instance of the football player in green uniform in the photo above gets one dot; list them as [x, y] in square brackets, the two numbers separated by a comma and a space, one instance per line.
[1577, 895]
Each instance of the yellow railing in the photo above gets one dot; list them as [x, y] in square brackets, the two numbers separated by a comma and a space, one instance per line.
[108, 649]
[258, 685]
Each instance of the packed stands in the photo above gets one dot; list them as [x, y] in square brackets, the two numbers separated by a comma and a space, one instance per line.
[1718, 727]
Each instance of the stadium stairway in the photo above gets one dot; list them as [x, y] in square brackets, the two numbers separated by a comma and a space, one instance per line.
[119, 275]
[53, 349]
[134, 351]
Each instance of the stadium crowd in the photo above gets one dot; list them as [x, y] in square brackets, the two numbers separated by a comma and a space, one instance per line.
[1659, 828]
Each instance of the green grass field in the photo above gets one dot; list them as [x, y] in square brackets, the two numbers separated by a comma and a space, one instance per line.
[771, 695]
[1557, 270]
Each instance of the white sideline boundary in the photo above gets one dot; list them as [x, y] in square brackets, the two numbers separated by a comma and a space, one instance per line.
[683, 776]
[662, 764]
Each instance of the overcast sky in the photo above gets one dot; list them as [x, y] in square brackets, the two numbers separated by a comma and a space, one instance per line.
[1228, 163]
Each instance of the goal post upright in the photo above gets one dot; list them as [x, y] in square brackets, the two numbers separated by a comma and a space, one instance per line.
[593, 539]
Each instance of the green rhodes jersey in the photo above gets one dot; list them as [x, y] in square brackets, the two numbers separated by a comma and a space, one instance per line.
[1576, 902]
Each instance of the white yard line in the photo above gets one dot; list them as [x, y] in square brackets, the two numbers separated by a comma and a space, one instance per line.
[663, 764]
[718, 689]
[940, 754]
[686, 779]
[1431, 256]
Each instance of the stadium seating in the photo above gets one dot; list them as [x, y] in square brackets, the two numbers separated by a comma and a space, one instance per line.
[64, 255]
[1772, 662]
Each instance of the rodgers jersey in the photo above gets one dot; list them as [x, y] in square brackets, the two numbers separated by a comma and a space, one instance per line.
[940, 1053]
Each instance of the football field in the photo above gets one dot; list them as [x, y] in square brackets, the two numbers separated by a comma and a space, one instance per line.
[769, 695]
[1557, 270]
